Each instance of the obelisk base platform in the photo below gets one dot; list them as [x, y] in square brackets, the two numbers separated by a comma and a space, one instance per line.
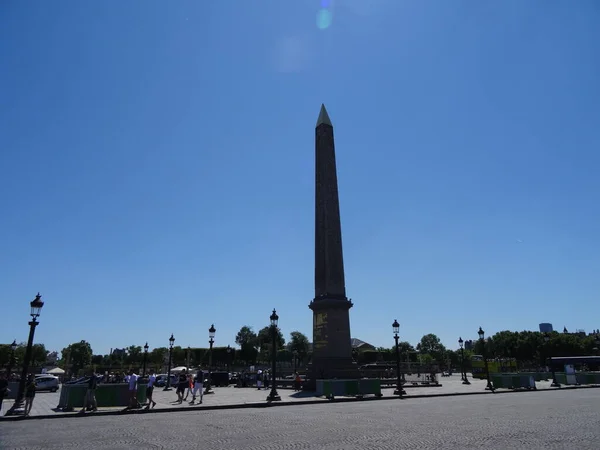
[330, 369]
[332, 347]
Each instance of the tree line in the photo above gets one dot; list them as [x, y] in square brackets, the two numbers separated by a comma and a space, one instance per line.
[527, 347]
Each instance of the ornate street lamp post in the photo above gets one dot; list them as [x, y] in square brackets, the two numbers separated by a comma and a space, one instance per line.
[211, 340]
[481, 334]
[11, 361]
[295, 355]
[555, 383]
[465, 380]
[274, 396]
[187, 361]
[36, 308]
[228, 359]
[171, 342]
[399, 391]
[145, 359]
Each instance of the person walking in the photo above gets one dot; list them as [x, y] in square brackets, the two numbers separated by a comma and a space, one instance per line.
[190, 385]
[133, 384]
[4, 390]
[29, 394]
[90, 394]
[297, 382]
[150, 389]
[198, 386]
[259, 378]
[181, 385]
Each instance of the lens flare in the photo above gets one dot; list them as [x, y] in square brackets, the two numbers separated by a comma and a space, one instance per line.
[324, 19]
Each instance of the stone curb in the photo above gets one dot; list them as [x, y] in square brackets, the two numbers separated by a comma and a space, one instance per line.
[265, 404]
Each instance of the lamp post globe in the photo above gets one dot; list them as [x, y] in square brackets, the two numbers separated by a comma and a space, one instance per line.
[274, 396]
[36, 306]
[211, 340]
[168, 384]
[481, 334]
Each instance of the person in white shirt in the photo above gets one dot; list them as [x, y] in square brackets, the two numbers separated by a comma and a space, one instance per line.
[198, 386]
[150, 389]
[133, 381]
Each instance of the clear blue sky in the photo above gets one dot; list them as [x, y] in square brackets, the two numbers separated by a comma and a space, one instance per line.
[157, 166]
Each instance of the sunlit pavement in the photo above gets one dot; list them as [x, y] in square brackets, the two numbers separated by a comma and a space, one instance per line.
[45, 403]
[527, 420]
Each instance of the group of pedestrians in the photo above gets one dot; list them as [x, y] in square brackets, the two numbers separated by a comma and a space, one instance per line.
[90, 403]
[193, 384]
[29, 393]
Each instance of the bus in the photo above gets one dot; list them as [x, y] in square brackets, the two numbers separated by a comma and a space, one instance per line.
[497, 365]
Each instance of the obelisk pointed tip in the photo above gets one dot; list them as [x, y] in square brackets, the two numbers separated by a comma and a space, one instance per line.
[323, 117]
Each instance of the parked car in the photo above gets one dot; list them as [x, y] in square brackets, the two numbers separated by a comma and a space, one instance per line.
[46, 383]
[161, 380]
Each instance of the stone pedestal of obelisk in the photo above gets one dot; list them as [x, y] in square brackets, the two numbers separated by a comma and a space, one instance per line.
[332, 349]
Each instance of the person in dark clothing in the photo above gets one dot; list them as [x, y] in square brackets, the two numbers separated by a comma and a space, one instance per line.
[90, 394]
[181, 385]
[29, 393]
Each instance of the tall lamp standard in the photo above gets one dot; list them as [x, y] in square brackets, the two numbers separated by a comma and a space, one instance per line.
[228, 359]
[399, 391]
[481, 334]
[11, 361]
[145, 359]
[462, 361]
[171, 342]
[274, 396]
[36, 308]
[211, 340]
[555, 383]
[295, 355]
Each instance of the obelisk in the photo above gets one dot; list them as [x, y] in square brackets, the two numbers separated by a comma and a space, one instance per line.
[332, 349]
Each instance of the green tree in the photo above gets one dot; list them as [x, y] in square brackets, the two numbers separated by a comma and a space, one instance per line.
[431, 345]
[78, 354]
[38, 355]
[247, 340]
[299, 343]
[157, 356]
[264, 341]
[134, 354]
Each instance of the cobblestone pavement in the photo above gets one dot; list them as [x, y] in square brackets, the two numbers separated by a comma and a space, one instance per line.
[46, 402]
[552, 420]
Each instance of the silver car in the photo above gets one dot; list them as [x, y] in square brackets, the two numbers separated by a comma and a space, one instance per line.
[46, 383]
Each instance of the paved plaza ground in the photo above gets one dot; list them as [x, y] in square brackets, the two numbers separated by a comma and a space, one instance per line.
[530, 420]
[45, 402]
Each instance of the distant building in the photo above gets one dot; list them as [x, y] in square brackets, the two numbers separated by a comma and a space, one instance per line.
[118, 351]
[361, 346]
[469, 345]
[51, 358]
[546, 328]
